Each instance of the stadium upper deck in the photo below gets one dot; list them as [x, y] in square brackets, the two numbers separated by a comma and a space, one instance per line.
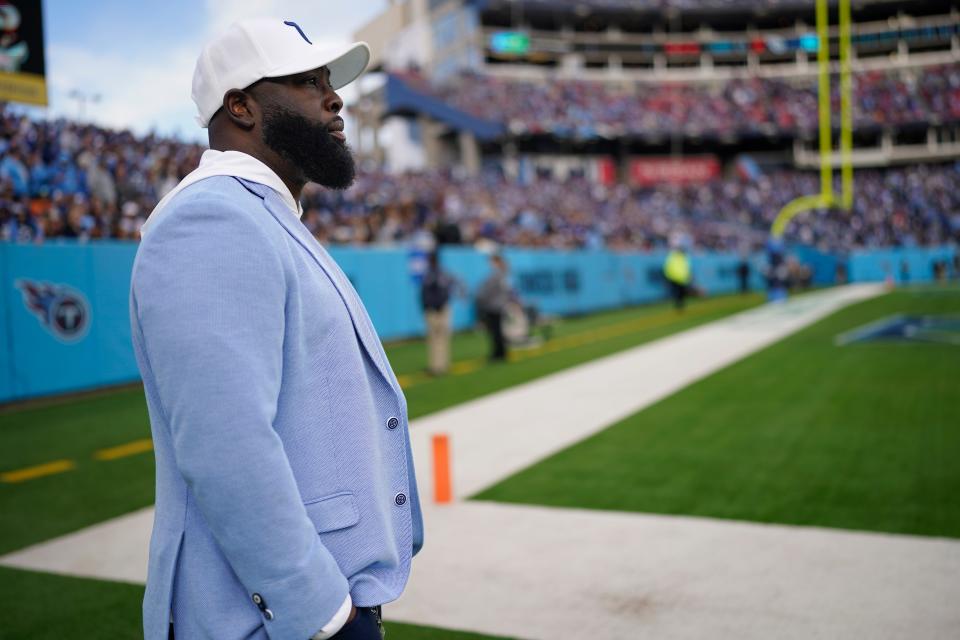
[729, 109]
[651, 39]
[656, 76]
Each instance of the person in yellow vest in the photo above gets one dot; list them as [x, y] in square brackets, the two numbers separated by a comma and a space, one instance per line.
[676, 269]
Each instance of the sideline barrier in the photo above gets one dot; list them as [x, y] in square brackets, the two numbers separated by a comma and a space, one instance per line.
[904, 265]
[824, 265]
[64, 324]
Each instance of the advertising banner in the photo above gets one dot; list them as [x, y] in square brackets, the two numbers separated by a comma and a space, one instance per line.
[22, 66]
[646, 172]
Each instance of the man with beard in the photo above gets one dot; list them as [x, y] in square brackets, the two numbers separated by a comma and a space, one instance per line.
[286, 502]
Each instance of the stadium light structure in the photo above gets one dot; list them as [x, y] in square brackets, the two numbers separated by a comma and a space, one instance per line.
[826, 197]
[82, 97]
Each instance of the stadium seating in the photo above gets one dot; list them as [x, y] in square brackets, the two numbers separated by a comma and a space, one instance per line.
[741, 107]
[64, 179]
[913, 206]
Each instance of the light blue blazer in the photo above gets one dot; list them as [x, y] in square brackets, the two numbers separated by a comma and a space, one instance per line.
[284, 471]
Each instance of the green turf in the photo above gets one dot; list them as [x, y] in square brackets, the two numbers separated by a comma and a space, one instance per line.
[865, 436]
[94, 610]
[47, 507]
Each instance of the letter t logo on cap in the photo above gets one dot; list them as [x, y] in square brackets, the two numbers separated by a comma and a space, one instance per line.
[291, 23]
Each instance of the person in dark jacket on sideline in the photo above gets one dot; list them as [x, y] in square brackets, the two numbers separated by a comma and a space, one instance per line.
[435, 291]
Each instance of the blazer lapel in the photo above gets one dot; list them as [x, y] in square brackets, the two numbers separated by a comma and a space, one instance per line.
[358, 314]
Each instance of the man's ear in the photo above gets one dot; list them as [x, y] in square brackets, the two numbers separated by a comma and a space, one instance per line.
[241, 108]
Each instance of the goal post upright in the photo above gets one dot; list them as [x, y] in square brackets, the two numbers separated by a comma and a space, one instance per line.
[826, 196]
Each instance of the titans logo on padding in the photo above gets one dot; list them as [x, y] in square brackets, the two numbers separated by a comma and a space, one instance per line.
[62, 310]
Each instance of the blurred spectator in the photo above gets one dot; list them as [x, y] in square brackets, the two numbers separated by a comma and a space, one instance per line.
[435, 292]
[799, 275]
[743, 274]
[676, 270]
[492, 299]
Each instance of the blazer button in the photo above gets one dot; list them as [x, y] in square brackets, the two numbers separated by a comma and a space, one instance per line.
[393, 423]
[400, 499]
[257, 600]
[268, 614]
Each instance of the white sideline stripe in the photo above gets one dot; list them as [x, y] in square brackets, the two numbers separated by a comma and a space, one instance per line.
[115, 549]
[494, 437]
[536, 572]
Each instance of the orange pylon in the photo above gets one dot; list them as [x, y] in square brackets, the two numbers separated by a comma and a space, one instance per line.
[442, 493]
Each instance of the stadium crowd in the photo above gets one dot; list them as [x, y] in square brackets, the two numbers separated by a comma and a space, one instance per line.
[915, 206]
[755, 106]
[63, 179]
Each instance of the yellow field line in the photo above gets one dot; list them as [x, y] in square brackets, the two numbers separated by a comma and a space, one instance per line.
[38, 471]
[123, 450]
[466, 366]
[59, 466]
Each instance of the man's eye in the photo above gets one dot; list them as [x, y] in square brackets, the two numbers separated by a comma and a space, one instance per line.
[312, 81]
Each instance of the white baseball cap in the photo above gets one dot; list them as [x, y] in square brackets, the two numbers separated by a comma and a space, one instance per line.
[266, 48]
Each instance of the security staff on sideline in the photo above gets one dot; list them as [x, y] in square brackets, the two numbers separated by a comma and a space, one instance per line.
[676, 269]
[286, 504]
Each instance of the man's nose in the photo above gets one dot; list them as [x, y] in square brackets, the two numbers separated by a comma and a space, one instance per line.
[334, 103]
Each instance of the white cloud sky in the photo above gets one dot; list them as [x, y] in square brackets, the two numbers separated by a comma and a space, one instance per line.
[141, 93]
[147, 87]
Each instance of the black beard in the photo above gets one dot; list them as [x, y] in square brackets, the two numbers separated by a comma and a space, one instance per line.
[309, 147]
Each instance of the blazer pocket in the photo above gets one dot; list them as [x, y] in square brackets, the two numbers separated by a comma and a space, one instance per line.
[336, 511]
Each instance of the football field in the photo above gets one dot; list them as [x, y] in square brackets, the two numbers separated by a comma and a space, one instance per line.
[788, 431]
[863, 436]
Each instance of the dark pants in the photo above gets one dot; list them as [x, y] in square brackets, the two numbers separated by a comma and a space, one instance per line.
[366, 625]
[679, 293]
[493, 321]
